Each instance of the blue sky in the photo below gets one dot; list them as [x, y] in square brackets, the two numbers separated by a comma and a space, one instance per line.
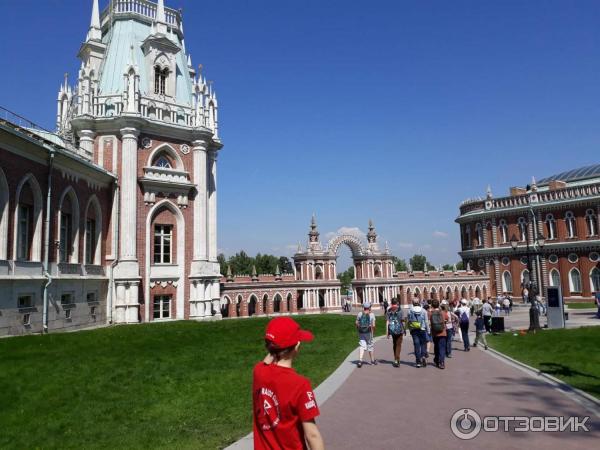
[390, 110]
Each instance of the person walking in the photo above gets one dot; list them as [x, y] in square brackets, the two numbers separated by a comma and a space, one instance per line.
[395, 329]
[385, 306]
[417, 325]
[438, 320]
[451, 326]
[464, 315]
[598, 304]
[283, 402]
[487, 311]
[480, 331]
[365, 324]
[506, 306]
[429, 347]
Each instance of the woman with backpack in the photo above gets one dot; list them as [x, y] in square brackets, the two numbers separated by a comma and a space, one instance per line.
[395, 329]
[438, 320]
[417, 325]
[451, 327]
[464, 315]
[365, 324]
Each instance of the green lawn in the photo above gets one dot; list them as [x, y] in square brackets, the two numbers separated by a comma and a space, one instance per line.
[570, 355]
[581, 305]
[171, 385]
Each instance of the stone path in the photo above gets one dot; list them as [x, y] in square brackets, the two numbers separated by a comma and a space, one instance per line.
[383, 407]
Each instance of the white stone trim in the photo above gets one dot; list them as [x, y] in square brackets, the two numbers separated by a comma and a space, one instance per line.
[36, 238]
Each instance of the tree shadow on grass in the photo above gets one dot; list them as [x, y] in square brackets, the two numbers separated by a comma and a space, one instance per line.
[564, 371]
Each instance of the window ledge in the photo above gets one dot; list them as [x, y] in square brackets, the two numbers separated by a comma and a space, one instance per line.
[28, 310]
[68, 305]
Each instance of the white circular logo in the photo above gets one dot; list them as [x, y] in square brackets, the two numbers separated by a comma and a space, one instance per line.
[185, 149]
[465, 424]
[146, 142]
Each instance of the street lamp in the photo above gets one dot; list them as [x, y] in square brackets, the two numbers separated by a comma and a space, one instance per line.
[532, 288]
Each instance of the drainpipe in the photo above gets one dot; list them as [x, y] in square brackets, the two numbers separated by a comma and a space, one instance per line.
[47, 243]
[111, 282]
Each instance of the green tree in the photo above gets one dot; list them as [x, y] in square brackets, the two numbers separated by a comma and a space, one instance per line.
[460, 266]
[285, 265]
[346, 279]
[447, 267]
[399, 264]
[222, 263]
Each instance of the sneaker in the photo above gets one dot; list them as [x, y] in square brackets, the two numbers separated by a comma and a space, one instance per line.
[374, 363]
[359, 365]
[418, 365]
[486, 347]
[424, 362]
[396, 363]
[448, 356]
[442, 366]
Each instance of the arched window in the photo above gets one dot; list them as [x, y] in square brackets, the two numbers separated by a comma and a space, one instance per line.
[503, 230]
[265, 304]
[468, 242]
[3, 216]
[27, 226]
[590, 220]
[595, 279]
[575, 281]
[525, 277]
[554, 278]
[163, 162]
[507, 282]
[252, 305]
[319, 273]
[277, 303]
[289, 302]
[570, 224]
[522, 229]
[479, 230]
[68, 220]
[93, 232]
[551, 227]
[160, 80]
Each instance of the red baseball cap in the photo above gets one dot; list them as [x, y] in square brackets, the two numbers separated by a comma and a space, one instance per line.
[285, 332]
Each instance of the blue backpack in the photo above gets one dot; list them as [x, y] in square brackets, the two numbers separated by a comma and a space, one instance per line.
[364, 323]
[395, 322]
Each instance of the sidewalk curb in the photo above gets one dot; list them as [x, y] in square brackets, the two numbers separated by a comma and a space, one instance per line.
[322, 392]
[588, 401]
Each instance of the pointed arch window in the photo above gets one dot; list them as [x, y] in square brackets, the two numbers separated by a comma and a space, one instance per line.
[570, 224]
[551, 227]
[595, 279]
[522, 229]
[503, 228]
[507, 282]
[590, 220]
[160, 80]
[575, 281]
[23, 231]
[479, 230]
[554, 278]
[468, 242]
[163, 162]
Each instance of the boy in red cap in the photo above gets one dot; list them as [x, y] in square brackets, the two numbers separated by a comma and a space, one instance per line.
[284, 403]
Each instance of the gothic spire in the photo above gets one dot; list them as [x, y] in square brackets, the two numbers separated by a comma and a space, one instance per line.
[95, 33]
[489, 194]
[533, 185]
[313, 235]
[371, 235]
[161, 17]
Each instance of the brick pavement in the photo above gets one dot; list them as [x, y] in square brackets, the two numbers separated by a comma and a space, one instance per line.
[382, 407]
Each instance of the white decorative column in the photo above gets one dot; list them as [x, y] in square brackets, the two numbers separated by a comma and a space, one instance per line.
[212, 207]
[120, 303]
[86, 143]
[128, 247]
[133, 303]
[200, 203]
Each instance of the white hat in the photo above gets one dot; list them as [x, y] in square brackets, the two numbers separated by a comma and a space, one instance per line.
[444, 302]
[463, 301]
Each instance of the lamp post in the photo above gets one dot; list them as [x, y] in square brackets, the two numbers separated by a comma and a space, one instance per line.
[532, 288]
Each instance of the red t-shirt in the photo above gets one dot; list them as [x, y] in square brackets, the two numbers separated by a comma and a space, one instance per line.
[282, 400]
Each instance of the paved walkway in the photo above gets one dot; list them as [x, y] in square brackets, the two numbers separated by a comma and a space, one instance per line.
[386, 407]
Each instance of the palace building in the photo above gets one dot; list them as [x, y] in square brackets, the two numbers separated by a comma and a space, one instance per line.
[113, 217]
[315, 288]
[555, 220]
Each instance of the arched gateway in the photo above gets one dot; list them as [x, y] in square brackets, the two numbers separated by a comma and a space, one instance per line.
[374, 271]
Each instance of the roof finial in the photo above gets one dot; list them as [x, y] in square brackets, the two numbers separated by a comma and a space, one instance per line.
[371, 235]
[313, 235]
[66, 80]
[489, 194]
[533, 184]
[161, 17]
[95, 32]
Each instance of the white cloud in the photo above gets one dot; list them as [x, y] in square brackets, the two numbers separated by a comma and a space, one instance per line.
[440, 234]
[353, 231]
[405, 245]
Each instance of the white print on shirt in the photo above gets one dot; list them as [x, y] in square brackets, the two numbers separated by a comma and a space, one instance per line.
[311, 402]
[269, 417]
